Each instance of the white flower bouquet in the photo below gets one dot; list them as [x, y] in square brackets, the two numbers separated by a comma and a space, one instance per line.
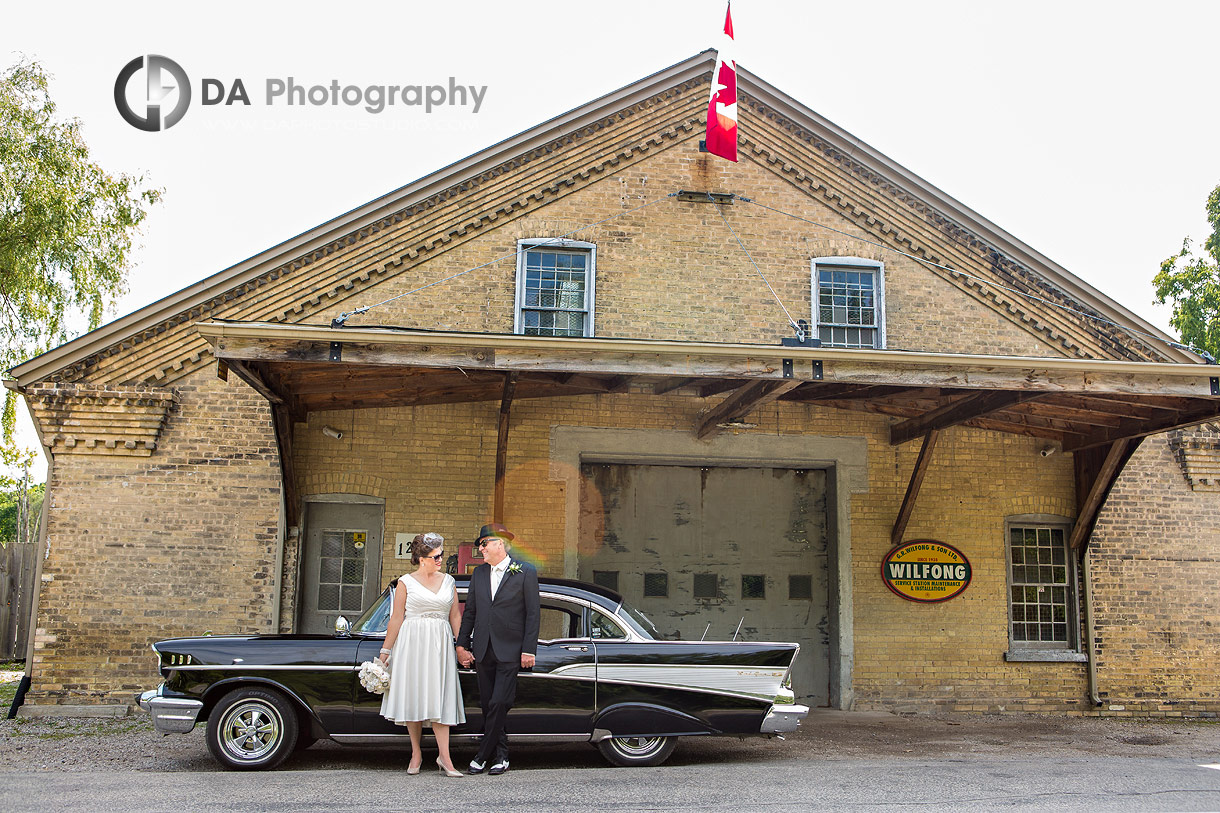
[374, 676]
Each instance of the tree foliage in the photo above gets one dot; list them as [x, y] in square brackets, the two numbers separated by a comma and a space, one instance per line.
[66, 225]
[1192, 284]
[10, 510]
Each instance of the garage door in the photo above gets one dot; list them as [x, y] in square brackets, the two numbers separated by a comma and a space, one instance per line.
[703, 551]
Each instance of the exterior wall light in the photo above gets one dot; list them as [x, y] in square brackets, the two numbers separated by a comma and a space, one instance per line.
[332, 432]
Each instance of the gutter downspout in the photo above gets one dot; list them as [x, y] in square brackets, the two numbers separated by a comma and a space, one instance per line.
[1091, 648]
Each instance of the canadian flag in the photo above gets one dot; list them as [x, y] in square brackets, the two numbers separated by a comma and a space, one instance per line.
[722, 107]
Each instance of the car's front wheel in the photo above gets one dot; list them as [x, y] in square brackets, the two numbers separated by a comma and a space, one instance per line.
[252, 729]
[632, 752]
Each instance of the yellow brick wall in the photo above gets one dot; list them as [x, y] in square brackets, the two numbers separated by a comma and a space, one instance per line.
[436, 465]
[1156, 569]
[674, 271]
[148, 548]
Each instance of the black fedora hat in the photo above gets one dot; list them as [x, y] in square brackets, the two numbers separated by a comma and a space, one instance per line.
[495, 529]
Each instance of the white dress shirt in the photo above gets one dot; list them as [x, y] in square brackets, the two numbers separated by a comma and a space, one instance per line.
[497, 575]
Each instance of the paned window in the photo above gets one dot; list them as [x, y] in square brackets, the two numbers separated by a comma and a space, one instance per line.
[847, 302]
[555, 288]
[1042, 587]
[341, 571]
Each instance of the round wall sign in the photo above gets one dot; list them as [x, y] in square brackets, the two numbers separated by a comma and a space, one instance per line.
[926, 570]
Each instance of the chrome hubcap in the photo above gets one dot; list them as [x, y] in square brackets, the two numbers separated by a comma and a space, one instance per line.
[637, 746]
[250, 731]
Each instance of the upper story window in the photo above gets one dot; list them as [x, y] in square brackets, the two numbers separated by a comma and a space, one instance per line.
[848, 295]
[555, 288]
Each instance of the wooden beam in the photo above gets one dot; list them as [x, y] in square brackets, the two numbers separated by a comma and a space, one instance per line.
[715, 386]
[1095, 476]
[282, 419]
[975, 405]
[506, 403]
[256, 382]
[672, 383]
[917, 475]
[1204, 411]
[740, 403]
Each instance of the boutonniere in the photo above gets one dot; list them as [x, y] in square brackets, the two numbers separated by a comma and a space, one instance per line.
[515, 567]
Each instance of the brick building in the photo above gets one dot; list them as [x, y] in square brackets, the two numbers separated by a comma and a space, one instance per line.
[564, 333]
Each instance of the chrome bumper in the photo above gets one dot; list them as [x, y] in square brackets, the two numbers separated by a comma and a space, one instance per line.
[783, 718]
[170, 715]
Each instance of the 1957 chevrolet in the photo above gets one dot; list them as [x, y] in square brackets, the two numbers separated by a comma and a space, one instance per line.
[602, 676]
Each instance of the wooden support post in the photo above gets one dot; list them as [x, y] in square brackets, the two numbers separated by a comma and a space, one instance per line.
[506, 403]
[1095, 476]
[282, 416]
[908, 501]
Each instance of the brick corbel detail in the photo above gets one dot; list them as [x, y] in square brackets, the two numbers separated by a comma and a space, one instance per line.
[1198, 453]
[90, 419]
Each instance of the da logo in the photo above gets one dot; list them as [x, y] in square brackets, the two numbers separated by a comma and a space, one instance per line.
[163, 79]
[926, 571]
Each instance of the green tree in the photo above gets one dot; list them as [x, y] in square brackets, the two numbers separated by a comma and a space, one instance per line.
[11, 509]
[1192, 284]
[66, 227]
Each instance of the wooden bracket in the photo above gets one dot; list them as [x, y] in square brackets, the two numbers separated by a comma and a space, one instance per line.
[917, 475]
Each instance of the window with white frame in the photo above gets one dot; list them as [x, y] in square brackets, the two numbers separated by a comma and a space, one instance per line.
[555, 288]
[1042, 604]
[848, 296]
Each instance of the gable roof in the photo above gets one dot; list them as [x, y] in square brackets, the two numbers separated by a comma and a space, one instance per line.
[700, 65]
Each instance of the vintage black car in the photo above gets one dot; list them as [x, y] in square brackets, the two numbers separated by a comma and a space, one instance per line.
[602, 676]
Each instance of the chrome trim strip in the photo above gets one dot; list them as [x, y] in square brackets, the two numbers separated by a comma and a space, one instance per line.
[555, 676]
[261, 667]
[377, 739]
[696, 689]
[756, 683]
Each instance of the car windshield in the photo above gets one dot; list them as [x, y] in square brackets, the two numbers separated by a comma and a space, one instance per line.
[377, 616]
[639, 621]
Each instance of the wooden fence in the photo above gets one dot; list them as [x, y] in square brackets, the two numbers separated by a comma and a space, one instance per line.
[17, 569]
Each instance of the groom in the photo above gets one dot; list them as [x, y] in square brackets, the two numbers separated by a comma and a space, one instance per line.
[502, 616]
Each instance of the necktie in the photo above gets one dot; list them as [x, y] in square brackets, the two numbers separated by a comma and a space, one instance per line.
[497, 575]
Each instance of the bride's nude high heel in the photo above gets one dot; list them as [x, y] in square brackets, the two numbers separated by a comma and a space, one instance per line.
[446, 771]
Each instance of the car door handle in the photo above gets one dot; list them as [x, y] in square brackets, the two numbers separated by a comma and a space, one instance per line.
[577, 648]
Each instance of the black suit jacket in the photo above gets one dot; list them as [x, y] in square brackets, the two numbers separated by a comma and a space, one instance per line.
[509, 623]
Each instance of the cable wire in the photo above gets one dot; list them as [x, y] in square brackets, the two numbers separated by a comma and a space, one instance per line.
[800, 332]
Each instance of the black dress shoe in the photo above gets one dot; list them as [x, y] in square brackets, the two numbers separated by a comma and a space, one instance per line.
[476, 767]
[499, 768]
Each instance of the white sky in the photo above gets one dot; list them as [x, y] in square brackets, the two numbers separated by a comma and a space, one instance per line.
[1086, 129]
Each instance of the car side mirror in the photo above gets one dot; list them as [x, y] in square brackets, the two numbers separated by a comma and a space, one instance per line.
[343, 627]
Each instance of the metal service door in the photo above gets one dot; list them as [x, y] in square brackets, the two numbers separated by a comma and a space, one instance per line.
[341, 567]
[701, 550]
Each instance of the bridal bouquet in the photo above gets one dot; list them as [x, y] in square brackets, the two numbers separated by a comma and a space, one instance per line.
[374, 676]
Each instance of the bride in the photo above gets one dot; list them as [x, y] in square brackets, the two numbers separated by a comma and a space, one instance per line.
[419, 649]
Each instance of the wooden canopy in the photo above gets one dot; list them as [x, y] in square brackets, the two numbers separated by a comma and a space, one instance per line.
[1100, 408]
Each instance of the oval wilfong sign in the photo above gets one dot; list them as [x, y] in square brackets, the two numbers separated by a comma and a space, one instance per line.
[926, 570]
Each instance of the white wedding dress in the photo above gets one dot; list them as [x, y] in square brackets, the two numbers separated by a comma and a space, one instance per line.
[423, 667]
